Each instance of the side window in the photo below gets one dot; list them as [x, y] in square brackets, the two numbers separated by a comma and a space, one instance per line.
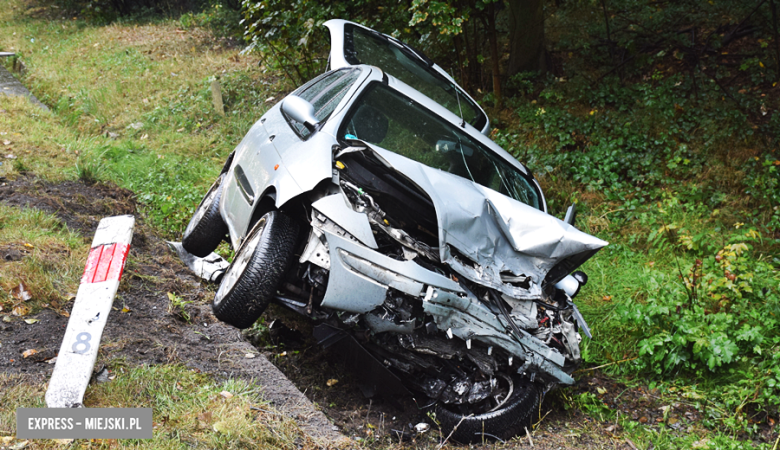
[325, 94]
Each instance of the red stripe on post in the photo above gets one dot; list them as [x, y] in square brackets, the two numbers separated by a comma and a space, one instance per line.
[118, 261]
[92, 261]
[105, 263]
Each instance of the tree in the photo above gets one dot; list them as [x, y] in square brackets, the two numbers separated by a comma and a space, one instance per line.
[471, 25]
[526, 42]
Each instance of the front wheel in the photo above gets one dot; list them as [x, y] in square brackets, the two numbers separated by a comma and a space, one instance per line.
[511, 419]
[206, 228]
[257, 269]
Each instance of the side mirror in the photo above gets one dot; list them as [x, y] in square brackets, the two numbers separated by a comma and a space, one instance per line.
[301, 111]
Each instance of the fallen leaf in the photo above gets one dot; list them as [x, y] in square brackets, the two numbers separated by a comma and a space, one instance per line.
[601, 390]
[6, 439]
[226, 394]
[63, 441]
[205, 416]
[21, 292]
[65, 314]
[220, 427]
[672, 421]
[6, 142]
[7, 318]
[270, 99]
[20, 310]
[180, 130]
[144, 137]
[332, 382]
[10, 156]
[643, 419]
[19, 445]
[610, 428]
[250, 355]
[30, 352]
[28, 245]
[704, 443]
[31, 321]
[52, 361]
[125, 309]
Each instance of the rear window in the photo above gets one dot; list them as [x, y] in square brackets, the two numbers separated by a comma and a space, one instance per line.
[369, 47]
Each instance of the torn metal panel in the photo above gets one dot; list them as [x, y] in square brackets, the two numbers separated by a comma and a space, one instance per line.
[468, 318]
[316, 250]
[336, 209]
[497, 233]
[379, 324]
[359, 277]
[211, 268]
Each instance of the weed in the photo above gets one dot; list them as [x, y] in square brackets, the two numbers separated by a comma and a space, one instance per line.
[178, 307]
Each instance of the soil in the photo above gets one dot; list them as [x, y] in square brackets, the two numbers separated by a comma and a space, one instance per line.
[142, 330]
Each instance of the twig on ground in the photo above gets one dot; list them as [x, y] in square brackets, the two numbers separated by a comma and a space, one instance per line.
[530, 440]
[536, 425]
[455, 428]
[605, 365]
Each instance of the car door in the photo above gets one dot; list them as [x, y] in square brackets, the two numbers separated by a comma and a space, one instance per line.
[353, 44]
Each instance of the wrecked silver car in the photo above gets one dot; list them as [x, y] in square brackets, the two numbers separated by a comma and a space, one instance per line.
[380, 210]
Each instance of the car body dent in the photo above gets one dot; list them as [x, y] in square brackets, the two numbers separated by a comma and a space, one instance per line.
[335, 207]
[359, 277]
[496, 232]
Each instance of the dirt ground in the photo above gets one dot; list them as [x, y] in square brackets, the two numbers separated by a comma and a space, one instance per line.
[142, 330]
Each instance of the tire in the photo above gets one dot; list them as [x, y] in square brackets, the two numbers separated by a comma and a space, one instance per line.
[206, 228]
[250, 282]
[505, 423]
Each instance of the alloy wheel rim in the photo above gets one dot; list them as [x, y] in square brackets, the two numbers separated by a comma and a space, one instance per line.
[242, 259]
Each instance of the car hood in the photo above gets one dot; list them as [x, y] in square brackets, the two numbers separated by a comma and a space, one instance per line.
[492, 239]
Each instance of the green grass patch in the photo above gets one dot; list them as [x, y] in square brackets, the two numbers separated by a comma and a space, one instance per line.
[190, 409]
[43, 255]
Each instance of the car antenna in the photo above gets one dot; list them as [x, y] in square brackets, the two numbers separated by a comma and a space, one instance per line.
[457, 95]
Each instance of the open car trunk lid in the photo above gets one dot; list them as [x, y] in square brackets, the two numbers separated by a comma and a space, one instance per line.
[353, 44]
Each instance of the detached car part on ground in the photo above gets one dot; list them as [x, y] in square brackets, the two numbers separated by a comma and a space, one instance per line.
[407, 234]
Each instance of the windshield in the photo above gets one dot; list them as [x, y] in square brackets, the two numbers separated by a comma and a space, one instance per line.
[369, 47]
[385, 117]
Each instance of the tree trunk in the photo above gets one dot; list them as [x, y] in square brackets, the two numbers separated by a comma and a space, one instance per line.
[494, 56]
[526, 49]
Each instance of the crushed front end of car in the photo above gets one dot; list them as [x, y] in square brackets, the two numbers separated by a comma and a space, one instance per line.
[417, 251]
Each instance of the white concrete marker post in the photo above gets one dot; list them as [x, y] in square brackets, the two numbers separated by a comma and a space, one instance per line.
[99, 284]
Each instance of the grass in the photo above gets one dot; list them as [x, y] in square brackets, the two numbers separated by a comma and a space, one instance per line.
[133, 106]
[190, 410]
[38, 239]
